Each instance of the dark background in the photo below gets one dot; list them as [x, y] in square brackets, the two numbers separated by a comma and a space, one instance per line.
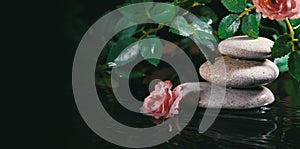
[78, 15]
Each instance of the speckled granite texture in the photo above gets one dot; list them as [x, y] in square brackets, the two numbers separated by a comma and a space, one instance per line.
[244, 47]
[246, 70]
[240, 73]
[236, 98]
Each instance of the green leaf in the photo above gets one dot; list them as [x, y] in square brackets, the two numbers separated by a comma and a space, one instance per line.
[282, 46]
[282, 63]
[180, 26]
[283, 26]
[207, 12]
[199, 25]
[292, 88]
[299, 41]
[250, 26]
[275, 36]
[128, 32]
[151, 49]
[139, 14]
[117, 48]
[127, 55]
[258, 18]
[229, 25]
[235, 6]
[137, 1]
[204, 1]
[163, 13]
[206, 20]
[295, 22]
[294, 65]
[207, 44]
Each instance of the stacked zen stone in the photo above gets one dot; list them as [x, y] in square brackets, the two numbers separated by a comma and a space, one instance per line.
[247, 69]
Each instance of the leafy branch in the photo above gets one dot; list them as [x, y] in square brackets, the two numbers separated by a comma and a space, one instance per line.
[292, 33]
[150, 31]
[230, 24]
[246, 11]
[284, 50]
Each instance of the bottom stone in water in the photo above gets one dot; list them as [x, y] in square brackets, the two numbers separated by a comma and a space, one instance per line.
[236, 98]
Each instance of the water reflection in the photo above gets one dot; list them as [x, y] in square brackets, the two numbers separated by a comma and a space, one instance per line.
[242, 130]
[273, 126]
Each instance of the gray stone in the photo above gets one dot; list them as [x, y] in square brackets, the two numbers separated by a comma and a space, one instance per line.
[246, 48]
[239, 73]
[235, 98]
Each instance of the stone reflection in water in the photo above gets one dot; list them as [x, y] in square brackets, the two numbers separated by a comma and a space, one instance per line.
[242, 131]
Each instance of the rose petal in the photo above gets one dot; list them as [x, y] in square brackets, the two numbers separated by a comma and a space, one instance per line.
[280, 10]
[158, 103]
[177, 96]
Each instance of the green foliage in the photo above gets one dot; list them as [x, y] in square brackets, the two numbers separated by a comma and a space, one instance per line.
[204, 38]
[127, 32]
[163, 13]
[204, 1]
[235, 6]
[295, 23]
[199, 31]
[180, 26]
[151, 50]
[294, 64]
[204, 11]
[202, 26]
[127, 55]
[250, 26]
[138, 13]
[282, 46]
[207, 44]
[118, 47]
[229, 25]
[298, 40]
[258, 18]
[282, 63]
[283, 26]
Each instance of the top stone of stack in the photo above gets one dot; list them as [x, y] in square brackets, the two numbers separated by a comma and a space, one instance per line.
[244, 47]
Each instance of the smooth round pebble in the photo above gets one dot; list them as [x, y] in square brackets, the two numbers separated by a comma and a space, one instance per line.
[245, 47]
[239, 73]
[236, 98]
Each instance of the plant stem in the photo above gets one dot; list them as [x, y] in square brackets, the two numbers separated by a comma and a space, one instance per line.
[291, 32]
[296, 27]
[177, 3]
[246, 11]
[152, 30]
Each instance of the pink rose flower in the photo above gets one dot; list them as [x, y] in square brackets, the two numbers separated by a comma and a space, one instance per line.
[278, 9]
[162, 102]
